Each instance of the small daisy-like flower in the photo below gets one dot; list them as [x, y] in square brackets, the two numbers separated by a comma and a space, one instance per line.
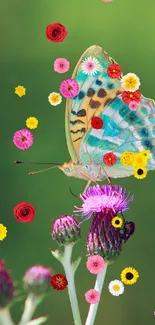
[96, 123]
[90, 66]
[54, 99]
[133, 105]
[109, 159]
[146, 154]
[69, 88]
[129, 276]
[117, 222]
[140, 172]
[59, 282]
[95, 264]
[32, 122]
[116, 288]
[130, 82]
[92, 296]
[114, 71]
[128, 96]
[139, 160]
[20, 91]
[127, 158]
[23, 139]
[61, 65]
[3, 231]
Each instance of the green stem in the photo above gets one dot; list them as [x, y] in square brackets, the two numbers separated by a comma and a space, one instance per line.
[5, 317]
[66, 262]
[31, 304]
[94, 307]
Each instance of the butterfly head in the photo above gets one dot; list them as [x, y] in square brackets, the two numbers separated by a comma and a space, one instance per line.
[69, 169]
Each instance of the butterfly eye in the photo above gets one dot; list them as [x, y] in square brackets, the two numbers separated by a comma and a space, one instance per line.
[86, 167]
[67, 169]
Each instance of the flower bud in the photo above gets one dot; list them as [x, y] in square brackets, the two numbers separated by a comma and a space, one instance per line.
[66, 230]
[7, 288]
[37, 279]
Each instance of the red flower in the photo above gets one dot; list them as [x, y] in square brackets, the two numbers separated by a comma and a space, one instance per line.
[59, 282]
[109, 159]
[56, 32]
[24, 212]
[128, 96]
[114, 71]
[96, 123]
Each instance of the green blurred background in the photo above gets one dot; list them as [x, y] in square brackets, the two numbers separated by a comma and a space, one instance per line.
[125, 29]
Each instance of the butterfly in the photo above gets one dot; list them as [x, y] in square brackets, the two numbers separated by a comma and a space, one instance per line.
[100, 98]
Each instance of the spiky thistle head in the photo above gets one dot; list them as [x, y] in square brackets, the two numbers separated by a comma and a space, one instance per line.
[37, 279]
[66, 230]
[7, 288]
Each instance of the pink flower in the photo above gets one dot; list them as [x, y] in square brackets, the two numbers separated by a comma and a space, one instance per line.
[69, 88]
[23, 139]
[92, 296]
[95, 264]
[106, 0]
[61, 65]
[133, 105]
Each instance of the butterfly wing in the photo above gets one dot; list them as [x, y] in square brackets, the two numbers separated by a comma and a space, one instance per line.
[91, 99]
[123, 130]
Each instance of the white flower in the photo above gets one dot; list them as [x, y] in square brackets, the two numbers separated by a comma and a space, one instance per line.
[55, 99]
[116, 288]
[90, 66]
[130, 82]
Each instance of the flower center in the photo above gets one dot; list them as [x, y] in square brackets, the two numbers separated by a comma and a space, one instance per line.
[140, 171]
[129, 276]
[131, 95]
[113, 70]
[95, 264]
[90, 65]
[24, 212]
[22, 139]
[116, 287]
[61, 65]
[117, 222]
[55, 32]
[68, 88]
[59, 282]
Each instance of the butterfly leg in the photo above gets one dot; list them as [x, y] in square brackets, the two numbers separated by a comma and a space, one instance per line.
[106, 175]
[86, 187]
[89, 180]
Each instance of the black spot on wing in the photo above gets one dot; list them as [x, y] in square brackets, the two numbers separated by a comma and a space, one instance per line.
[101, 93]
[90, 92]
[77, 139]
[76, 122]
[82, 112]
[94, 103]
[83, 130]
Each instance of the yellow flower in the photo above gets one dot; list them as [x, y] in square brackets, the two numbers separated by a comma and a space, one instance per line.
[20, 91]
[55, 99]
[127, 158]
[3, 231]
[140, 172]
[139, 160]
[32, 122]
[130, 82]
[146, 154]
[129, 275]
[117, 222]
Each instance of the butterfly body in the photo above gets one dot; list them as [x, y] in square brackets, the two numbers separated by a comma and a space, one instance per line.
[101, 97]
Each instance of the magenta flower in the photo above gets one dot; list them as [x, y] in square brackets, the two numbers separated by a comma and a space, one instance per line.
[23, 139]
[97, 198]
[69, 88]
[61, 65]
[133, 105]
[92, 296]
[37, 279]
[95, 264]
[7, 288]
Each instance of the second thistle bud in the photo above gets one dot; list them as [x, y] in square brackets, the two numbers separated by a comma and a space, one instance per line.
[7, 288]
[37, 279]
[66, 230]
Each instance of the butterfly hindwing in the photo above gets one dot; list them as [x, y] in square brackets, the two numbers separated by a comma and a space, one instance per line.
[95, 91]
[122, 130]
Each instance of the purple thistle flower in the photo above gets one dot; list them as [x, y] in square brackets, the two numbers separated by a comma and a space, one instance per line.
[37, 279]
[97, 198]
[7, 288]
[66, 230]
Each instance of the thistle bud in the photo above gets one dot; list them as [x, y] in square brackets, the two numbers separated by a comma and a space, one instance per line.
[37, 279]
[7, 288]
[66, 230]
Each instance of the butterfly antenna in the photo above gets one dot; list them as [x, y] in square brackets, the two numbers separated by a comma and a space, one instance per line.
[42, 170]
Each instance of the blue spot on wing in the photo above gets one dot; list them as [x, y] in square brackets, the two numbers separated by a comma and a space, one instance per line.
[110, 127]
